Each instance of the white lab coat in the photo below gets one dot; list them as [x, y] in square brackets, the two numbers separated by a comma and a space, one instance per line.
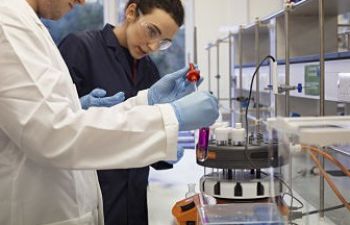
[47, 143]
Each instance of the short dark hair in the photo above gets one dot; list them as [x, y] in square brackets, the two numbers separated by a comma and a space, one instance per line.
[173, 7]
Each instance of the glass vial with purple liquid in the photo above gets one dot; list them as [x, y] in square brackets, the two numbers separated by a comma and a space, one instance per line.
[202, 145]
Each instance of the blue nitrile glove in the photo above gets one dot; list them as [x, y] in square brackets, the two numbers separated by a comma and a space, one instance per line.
[199, 109]
[186, 139]
[171, 87]
[96, 98]
[180, 154]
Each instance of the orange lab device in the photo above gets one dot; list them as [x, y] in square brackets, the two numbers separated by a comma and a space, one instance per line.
[192, 74]
[185, 211]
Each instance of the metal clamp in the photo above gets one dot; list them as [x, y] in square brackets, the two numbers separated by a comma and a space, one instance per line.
[284, 88]
[289, 6]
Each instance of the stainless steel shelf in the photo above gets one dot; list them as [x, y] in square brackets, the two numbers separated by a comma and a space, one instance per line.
[307, 8]
[332, 8]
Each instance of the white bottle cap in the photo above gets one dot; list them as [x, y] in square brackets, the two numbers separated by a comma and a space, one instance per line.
[221, 134]
[237, 136]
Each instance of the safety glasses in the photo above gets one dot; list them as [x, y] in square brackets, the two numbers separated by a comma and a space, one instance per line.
[152, 33]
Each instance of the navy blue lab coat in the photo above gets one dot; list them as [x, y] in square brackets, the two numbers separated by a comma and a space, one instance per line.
[96, 59]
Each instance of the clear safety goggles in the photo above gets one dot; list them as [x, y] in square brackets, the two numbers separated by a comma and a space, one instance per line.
[152, 33]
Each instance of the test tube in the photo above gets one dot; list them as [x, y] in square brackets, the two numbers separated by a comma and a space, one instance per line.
[202, 145]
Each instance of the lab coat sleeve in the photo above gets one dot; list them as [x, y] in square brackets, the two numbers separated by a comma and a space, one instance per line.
[162, 165]
[40, 111]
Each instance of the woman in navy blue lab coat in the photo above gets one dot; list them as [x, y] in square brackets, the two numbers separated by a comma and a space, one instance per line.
[115, 59]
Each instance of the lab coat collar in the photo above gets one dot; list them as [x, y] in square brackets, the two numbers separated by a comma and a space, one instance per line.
[33, 14]
[110, 38]
[119, 52]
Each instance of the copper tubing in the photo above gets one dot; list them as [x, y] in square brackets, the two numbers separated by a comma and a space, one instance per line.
[330, 158]
[328, 179]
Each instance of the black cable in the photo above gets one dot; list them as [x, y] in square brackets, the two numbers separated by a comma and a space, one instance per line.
[294, 208]
[324, 210]
[302, 205]
[285, 184]
[289, 189]
[247, 107]
[247, 140]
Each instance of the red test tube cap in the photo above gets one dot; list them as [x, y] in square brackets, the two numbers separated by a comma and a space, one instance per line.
[192, 74]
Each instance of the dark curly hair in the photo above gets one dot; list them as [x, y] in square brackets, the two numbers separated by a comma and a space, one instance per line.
[173, 7]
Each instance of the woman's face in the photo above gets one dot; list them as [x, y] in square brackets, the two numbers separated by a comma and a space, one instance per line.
[150, 32]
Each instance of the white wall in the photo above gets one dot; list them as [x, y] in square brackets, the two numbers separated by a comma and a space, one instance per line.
[209, 18]
[262, 8]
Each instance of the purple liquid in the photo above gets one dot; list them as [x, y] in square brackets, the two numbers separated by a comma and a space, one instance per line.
[202, 145]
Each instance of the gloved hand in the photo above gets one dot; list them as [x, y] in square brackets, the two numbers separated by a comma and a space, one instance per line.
[180, 154]
[96, 98]
[199, 109]
[171, 87]
[186, 139]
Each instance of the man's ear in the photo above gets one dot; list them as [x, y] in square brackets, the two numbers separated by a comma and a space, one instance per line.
[131, 13]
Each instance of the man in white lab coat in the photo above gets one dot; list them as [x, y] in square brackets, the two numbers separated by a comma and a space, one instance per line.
[49, 146]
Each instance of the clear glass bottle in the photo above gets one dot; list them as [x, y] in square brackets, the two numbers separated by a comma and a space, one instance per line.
[191, 190]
